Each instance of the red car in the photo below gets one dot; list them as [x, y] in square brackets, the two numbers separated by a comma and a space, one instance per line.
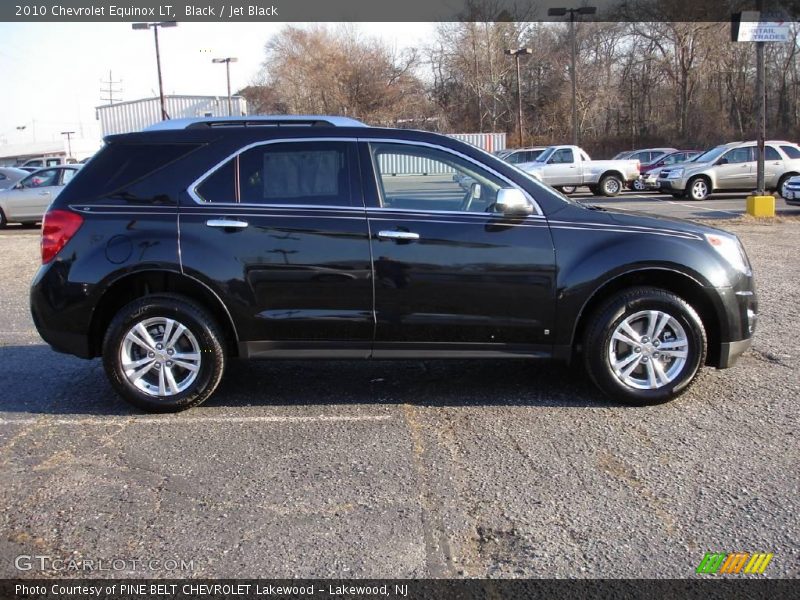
[648, 173]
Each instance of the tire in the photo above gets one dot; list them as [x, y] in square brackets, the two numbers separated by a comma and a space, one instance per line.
[781, 183]
[698, 189]
[3, 221]
[200, 345]
[683, 330]
[610, 185]
[568, 189]
[638, 185]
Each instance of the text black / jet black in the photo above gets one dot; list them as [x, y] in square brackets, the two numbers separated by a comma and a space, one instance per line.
[179, 247]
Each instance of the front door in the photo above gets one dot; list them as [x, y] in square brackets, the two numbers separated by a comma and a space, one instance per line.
[450, 274]
[281, 230]
[562, 168]
[33, 196]
[738, 169]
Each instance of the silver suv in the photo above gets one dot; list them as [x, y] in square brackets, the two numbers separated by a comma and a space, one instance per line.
[731, 167]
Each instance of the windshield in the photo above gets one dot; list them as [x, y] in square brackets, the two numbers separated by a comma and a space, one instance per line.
[710, 155]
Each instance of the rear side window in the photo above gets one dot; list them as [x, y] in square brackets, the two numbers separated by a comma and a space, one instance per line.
[791, 151]
[771, 154]
[307, 173]
[118, 166]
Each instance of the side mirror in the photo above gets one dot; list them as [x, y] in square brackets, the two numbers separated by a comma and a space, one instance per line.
[511, 201]
[475, 190]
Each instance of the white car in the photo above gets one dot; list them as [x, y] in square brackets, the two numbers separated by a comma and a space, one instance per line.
[791, 191]
[27, 201]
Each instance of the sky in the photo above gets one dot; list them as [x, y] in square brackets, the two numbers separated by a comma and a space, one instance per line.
[51, 73]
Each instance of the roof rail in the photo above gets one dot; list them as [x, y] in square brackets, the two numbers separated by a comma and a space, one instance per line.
[257, 121]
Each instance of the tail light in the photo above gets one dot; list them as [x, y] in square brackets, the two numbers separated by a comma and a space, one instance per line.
[58, 227]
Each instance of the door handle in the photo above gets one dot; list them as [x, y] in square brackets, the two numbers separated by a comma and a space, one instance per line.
[44, 193]
[227, 223]
[398, 235]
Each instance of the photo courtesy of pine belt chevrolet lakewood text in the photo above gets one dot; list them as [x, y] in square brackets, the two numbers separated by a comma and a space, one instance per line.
[196, 241]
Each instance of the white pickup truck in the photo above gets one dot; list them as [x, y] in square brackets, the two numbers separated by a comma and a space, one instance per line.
[569, 166]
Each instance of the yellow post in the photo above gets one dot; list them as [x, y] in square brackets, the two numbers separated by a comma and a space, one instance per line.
[761, 206]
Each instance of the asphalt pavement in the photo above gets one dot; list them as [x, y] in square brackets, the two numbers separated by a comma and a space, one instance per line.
[405, 469]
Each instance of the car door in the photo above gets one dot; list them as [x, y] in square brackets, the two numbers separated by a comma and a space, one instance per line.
[735, 169]
[562, 168]
[281, 230]
[451, 275]
[773, 166]
[25, 201]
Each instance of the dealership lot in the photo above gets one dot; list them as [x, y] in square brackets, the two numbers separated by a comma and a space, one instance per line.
[409, 469]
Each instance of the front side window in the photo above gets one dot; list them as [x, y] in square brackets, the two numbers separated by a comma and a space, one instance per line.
[313, 173]
[563, 156]
[739, 155]
[423, 178]
[44, 178]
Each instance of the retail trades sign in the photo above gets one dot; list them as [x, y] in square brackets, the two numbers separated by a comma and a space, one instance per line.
[753, 26]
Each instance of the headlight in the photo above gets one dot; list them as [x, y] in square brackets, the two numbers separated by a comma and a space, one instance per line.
[675, 174]
[730, 248]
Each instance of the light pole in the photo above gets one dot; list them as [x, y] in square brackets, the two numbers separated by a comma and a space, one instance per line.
[516, 54]
[228, 60]
[560, 12]
[69, 135]
[155, 26]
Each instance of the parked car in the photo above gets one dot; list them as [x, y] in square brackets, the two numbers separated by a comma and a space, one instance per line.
[645, 155]
[648, 173]
[9, 176]
[731, 167]
[560, 166]
[522, 155]
[182, 246]
[47, 161]
[791, 191]
[27, 200]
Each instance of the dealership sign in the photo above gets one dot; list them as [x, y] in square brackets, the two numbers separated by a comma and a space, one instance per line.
[752, 26]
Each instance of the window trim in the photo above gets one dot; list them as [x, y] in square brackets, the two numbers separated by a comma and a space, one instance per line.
[191, 189]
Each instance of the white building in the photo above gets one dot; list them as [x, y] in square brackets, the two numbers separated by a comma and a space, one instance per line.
[135, 115]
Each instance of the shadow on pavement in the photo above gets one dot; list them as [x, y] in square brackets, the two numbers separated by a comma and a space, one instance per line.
[39, 381]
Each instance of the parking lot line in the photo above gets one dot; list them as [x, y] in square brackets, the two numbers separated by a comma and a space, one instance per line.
[695, 206]
[190, 420]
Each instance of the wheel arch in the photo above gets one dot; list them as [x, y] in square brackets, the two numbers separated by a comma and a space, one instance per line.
[711, 183]
[135, 285]
[615, 173]
[677, 282]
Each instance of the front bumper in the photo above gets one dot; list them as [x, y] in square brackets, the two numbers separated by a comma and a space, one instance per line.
[672, 185]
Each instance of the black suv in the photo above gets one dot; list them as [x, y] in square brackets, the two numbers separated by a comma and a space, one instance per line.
[177, 248]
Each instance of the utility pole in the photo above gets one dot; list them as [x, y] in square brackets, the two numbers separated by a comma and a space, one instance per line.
[560, 12]
[761, 118]
[155, 27]
[228, 60]
[110, 90]
[516, 54]
[69, 135]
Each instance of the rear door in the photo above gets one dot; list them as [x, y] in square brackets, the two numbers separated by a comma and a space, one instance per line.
[451, 275]
[280, 231]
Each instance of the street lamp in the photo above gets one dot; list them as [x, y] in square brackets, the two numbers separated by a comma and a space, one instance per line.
[69, 135]
[155, 26]
[227, 62]
[516, 54]
[560, 12]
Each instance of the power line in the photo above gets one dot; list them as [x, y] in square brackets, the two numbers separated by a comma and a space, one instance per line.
[110, 90]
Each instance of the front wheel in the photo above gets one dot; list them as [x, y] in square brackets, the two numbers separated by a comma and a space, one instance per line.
[644, 346]
[568, 189]
[163, 353]
[782, 185]
[610, 185]
[699, 189]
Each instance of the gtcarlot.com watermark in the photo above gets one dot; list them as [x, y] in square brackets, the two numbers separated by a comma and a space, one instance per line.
[60, 564]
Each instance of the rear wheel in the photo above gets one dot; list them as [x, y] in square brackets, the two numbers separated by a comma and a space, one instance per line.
[699, 188]
[610, 185]
[638, 185]
[782, 184]
[3, 221]
[163, 353]
[644, 346]
[568, 189]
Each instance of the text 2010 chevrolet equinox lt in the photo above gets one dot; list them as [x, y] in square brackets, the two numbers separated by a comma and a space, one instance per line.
[177, 248]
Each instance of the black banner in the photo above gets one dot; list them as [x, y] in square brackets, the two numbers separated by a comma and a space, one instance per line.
[370, 10]
[399, 589]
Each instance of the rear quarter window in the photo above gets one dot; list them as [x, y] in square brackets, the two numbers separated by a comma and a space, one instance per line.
[118, 166]
[791, 151]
